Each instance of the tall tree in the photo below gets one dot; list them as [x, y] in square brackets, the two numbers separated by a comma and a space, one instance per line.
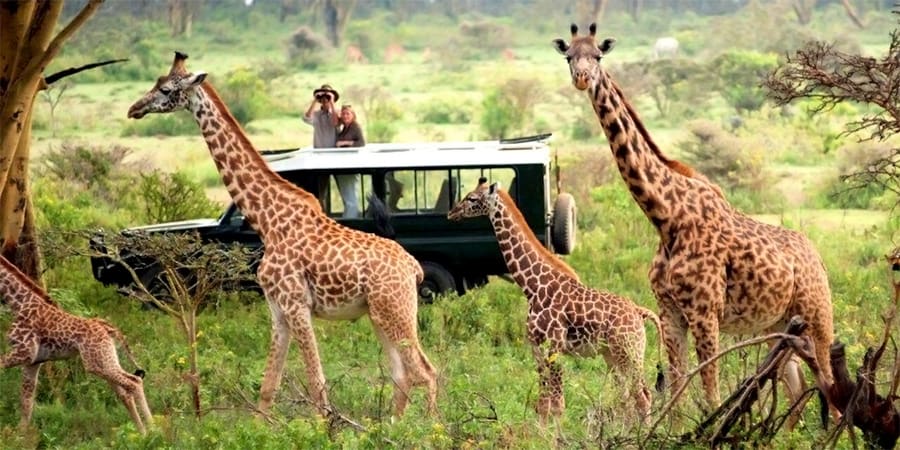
[27, 46]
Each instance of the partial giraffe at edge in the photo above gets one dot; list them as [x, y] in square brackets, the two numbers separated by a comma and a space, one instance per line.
[563, 314]
[312, 266]
[716, 269]
[41, 331]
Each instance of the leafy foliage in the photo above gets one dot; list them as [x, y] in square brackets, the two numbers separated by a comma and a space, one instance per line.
[509, 107]
[246, 95]
[174, 196]
[740, 73]
[179, 123]
[307, 48]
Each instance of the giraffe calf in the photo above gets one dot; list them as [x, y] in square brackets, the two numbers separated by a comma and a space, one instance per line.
[564, 315]
[41, 331]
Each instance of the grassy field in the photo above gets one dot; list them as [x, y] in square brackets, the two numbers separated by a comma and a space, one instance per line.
[488, 382]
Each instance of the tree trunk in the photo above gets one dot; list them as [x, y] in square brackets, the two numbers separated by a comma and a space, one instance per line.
[851, 13]
[804, 10]
[27, 46]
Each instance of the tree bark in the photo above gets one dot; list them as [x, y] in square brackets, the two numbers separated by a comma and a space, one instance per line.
[804, 10]
[27, 46]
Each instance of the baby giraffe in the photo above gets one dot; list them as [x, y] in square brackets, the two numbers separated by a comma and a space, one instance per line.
[41, 331]
[564, 315]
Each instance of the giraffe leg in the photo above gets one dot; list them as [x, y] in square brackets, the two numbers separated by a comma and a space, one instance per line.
[140, 399]
[551, 401]
[626, 356]
[410, 366]
[278, 349]
[300, 322]
[101, 360]
[674, 330]
[792, 376]
[706, 339]
[29, 388]
[128, 400]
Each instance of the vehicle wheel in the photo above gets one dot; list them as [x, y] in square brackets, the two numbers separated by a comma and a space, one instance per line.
[152, 281]
[438, 280]
[562, 232]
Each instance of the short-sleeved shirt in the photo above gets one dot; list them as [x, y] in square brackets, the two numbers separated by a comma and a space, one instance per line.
[352, 132]
[324, 132]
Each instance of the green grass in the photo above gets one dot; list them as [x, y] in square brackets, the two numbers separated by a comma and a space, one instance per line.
[487, 377]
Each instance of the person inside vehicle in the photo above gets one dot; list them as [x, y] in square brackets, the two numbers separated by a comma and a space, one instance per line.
[325, 119]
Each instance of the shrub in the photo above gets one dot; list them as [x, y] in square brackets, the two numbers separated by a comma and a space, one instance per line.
[307, 48]
[862, 191]
[245, 94]
[508, 108]
[740, 73]
[181, 123]
[443, 112]
[381, 112]
[734, 163]
[678, 87]
[174, 196]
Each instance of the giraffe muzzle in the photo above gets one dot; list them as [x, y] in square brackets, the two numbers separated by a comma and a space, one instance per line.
[581, 81]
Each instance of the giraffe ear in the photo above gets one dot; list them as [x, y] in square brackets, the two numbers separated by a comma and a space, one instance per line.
[560, 46]
[494, 187]
[196, 79]
[607, 45]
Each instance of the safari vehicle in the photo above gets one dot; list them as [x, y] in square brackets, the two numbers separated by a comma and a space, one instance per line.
[418, 183]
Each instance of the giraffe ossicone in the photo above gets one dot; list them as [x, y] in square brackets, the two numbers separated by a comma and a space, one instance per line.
[312, 266]
[564, 315]
[715, 269]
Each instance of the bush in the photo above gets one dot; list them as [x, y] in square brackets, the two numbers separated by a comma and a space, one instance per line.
[307, 48]
[443, 112]
[862, 191]
[181, 123]
[245, 94]
[508, 108]
[740, 73]
[169, 197]
[678, 87]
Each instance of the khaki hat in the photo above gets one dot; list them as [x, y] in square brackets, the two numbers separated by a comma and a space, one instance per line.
[327, 88]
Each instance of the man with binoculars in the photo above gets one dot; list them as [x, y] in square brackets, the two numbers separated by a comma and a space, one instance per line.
[324, 120]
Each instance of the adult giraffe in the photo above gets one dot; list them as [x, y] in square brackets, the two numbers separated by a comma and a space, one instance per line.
[313, 266]
[715, 269]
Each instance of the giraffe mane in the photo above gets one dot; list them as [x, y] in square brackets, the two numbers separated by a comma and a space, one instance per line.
[243, 140]
[26, 280]
[672, 164]
[530, 236]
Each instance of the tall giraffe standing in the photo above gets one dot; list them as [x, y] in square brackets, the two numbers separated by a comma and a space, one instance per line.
[313, 266]
[41, 331]
[564, 316]
[715, 269]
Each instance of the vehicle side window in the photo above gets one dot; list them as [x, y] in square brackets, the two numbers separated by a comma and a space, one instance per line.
[505, 176]
[420, 191]
[345, 195]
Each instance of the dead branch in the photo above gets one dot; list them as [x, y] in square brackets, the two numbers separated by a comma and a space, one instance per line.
[50, 79]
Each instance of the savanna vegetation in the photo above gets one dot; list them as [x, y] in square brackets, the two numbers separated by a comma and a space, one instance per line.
[454, 70]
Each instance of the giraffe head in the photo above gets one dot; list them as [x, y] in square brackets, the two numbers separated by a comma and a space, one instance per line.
[584, 55]
[476, 203]
[171, 92]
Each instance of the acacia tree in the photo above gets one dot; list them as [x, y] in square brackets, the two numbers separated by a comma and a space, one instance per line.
[826, 76]
[27, 46]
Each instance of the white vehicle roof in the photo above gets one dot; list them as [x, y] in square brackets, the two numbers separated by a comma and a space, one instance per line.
[421, 154]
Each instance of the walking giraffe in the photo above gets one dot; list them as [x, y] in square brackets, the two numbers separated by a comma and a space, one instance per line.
[313, 266]
[564, 315]
[41, 331]
[716, 269]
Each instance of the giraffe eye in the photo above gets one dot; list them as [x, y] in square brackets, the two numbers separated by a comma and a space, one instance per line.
[165, 91]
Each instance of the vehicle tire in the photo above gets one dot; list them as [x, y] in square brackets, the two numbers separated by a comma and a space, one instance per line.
[152, 281]
[562, 231]
[438, 280]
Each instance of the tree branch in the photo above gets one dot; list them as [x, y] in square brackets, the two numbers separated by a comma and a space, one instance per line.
[50, 79]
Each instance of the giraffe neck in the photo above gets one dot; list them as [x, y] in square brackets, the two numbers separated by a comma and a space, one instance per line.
[254, 187]
[646, 171]
[17, 290]
[526, 257]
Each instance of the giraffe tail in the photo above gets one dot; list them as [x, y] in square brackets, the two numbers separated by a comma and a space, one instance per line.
[117, 336]
[646, 314]
[381, 217]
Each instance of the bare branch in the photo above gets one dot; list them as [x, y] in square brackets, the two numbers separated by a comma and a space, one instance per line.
[73, 70]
